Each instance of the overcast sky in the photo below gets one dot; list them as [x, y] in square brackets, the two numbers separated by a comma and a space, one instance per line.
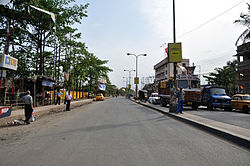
[115, 27]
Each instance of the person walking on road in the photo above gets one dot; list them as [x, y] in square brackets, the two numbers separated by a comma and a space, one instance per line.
[28, 106]
[68, 100]
[58, 95]
[180, 101]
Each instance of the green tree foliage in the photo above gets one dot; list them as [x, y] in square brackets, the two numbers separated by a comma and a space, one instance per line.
[32, 42]
[245, 21]
[224, 77]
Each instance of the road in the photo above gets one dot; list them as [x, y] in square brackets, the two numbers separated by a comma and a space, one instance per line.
[114, 132]
[234, 117]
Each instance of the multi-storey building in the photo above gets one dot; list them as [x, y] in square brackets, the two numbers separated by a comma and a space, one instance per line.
[243, 58]
[165, 70]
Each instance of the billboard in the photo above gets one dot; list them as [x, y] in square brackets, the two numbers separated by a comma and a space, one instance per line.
[8, 62]
[102, 86]
[174, 52]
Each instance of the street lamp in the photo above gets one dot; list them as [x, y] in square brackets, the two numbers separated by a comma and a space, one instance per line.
[126, 80]
[129, 85]
[136, 64]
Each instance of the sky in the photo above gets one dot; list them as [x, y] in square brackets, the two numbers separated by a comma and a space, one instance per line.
[114, 28]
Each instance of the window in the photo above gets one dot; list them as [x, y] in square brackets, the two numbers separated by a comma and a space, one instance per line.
[217, 91]
[182, 84]
[246, 97]
[235, 98]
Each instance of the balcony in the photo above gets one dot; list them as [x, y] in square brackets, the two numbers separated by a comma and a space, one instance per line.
[244, 65]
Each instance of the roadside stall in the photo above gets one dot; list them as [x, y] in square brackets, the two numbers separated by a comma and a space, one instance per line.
[44, 90]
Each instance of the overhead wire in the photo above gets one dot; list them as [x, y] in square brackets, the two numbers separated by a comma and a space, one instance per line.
[188, 32]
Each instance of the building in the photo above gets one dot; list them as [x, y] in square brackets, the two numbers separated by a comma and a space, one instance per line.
[243, 76]
[165, 70]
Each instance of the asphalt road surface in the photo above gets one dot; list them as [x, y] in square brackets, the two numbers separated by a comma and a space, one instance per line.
[114, 132]
[234, 117]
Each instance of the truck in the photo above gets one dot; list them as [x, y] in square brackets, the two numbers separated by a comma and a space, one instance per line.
[191, 87]
[215, 97]
[210, 96]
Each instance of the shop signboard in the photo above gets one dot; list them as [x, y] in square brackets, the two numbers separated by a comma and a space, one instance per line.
[8, 62]
[47, 83]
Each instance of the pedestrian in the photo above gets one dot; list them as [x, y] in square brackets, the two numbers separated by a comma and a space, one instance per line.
[180, 101]
[58, 95]
[68, 100]
[28, 106]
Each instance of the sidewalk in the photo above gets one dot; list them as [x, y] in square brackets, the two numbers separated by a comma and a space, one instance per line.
[235, 134]
[43, 110]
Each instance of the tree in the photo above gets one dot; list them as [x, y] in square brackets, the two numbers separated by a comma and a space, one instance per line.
[33, 42]
[225, 77]
[245, 21]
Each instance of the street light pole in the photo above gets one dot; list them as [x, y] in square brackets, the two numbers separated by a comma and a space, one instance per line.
[129, 76]
[126, 81]
[136, 72]
[174, 36]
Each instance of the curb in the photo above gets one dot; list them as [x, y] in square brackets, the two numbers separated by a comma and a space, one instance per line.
[231, 137]
[46, 111]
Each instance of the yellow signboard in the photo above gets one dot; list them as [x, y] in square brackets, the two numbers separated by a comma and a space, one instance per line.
[163, 84]
[136, 80]
[129, 86]
[174, 52]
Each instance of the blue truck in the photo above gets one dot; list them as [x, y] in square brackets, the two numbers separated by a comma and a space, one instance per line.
[215, 97]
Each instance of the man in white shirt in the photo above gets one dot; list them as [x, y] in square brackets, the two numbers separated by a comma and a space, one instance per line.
[28, 106]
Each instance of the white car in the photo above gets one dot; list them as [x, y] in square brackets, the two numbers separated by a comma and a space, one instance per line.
[154, 98]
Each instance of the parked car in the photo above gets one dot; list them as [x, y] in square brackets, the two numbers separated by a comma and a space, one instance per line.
[154, 98]
[99, 97]
[241, 102]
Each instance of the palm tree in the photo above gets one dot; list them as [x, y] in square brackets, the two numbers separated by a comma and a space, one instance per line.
[245, 21]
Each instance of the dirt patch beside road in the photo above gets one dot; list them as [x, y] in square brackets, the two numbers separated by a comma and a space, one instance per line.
[15, 134]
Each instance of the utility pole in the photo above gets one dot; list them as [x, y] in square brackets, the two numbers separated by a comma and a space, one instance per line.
[174, 36]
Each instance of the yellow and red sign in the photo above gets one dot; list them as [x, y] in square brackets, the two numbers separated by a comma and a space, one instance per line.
[174, 52]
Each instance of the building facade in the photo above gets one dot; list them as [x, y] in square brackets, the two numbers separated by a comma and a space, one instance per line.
[243, 76]
[165, 70]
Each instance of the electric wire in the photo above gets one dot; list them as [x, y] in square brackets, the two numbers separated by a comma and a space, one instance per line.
[188, 32]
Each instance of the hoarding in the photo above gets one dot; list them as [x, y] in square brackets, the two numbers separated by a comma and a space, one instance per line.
[174, 52]
[102, 86]
[8, 62]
